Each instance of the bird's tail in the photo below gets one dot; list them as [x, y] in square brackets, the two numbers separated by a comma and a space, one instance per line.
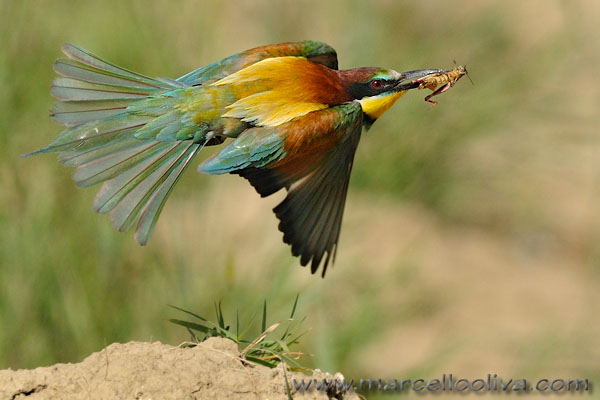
[114, 118]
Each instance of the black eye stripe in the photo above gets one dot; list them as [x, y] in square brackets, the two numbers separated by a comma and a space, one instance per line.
[360, 90]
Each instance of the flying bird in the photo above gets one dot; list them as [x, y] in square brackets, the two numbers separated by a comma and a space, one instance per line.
[294, 120]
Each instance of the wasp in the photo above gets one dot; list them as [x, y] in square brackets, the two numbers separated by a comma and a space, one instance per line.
[445, 78]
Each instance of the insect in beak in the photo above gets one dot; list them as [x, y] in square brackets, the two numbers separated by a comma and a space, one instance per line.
[440, 81]
[412, 79]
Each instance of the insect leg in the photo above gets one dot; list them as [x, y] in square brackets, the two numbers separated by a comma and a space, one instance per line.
[439, 91]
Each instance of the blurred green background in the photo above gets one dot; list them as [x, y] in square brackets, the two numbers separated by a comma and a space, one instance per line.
[470, 242]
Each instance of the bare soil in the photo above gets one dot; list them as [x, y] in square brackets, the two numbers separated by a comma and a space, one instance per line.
[138, 370]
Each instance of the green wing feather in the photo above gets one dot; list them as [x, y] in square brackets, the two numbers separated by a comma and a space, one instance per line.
[256, 147]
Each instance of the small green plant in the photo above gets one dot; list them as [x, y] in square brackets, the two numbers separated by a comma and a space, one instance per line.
[267, 348]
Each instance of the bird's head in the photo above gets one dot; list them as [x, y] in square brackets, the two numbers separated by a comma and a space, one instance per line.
[377, 89]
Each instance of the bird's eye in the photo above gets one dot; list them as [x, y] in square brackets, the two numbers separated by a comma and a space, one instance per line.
[376, 83]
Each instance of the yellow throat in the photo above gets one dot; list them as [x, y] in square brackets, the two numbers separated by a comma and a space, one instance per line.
[375, 106]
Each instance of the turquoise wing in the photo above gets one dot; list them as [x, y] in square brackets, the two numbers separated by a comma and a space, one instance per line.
[311, 214]
[318, 52]
[255, 147]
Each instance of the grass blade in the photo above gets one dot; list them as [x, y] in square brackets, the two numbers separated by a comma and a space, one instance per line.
[264, 317]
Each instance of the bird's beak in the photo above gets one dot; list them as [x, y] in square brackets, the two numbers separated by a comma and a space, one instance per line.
[408, 79]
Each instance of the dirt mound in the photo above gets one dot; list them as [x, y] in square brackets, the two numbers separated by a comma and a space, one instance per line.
[211, 370]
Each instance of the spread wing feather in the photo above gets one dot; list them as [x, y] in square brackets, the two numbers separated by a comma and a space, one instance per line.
[311, 214]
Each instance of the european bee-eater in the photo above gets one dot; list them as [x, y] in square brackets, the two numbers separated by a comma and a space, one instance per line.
[294, 118]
